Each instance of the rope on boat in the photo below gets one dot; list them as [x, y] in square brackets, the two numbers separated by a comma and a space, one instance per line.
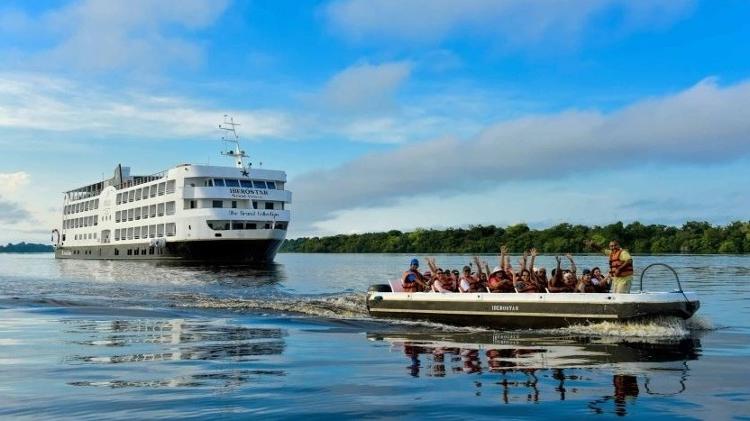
[674, 272]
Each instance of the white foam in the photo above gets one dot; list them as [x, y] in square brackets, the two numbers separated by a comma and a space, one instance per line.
[664, 327]
[341, 306]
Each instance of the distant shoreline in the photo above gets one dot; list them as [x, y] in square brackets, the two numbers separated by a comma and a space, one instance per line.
[691, 238]
[23, 247]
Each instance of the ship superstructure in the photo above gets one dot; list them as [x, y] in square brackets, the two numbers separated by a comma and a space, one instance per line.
[193, 212]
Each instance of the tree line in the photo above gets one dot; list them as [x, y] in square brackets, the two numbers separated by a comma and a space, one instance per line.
[692, 237]
[26, 248]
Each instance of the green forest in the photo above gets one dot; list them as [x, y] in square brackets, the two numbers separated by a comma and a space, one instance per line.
[692, 237]
[26, 248]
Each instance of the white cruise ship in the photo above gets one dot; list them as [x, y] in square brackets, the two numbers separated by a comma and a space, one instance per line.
[189, 212]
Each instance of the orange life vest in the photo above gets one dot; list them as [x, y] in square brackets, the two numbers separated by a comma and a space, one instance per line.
[615, 262]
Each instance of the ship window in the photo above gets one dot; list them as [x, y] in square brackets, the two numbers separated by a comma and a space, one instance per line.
[282, 205]
[144, 231]
[171, 186]
[208, 183]
[237, 225]
[251, 226]
[160, 209]
[117, 216]
[218, 225]
[162, 187]
[280, 226]
[137, 194]
[152, 210]
[117, 252]
[144, 211]
[130, 214]
[96, 204]
[267, 226]
[160, 230]
[258, 184]
[153, 191]
[96, 219]
[246, 183]
[136, 251]
[117, 234]
[234, 204]
[94, 236]
[219, 182]
[137, 213]
[130, 233]
[218, 204]
[85, 206]
[230, 182]
[191, 205]
[271, 185]
[130, 252]
[150, 250]
[152, 231]
[136, 233]
[269, 205]
[171, 229]
[255, 204]
[131, 195]
[170, 208]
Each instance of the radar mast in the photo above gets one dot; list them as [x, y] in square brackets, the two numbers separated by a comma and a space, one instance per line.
[237, 155]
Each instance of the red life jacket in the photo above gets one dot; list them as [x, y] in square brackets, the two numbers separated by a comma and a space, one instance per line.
[615, 262]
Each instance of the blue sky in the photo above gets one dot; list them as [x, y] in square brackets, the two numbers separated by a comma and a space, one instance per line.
[388, 114]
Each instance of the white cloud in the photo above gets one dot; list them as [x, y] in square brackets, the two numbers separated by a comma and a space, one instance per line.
[365, 87]
[97, 35]
[705, 123]
[513, 21]
[53, 104]
[11, 182]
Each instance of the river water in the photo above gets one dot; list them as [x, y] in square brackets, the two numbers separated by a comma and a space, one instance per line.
[135, 340]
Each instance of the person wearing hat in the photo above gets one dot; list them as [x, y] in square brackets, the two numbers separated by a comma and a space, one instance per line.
[412, 280]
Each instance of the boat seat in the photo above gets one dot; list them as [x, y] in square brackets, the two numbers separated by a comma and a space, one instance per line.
[396, 286]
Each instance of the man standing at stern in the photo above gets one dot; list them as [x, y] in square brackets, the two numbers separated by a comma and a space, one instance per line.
[620, 268]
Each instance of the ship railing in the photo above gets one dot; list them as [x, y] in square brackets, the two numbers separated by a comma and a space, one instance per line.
[142, 179]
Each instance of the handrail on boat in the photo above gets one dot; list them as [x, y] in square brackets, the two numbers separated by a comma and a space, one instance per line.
[674, 272]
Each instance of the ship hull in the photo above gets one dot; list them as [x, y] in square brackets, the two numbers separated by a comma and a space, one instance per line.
[528, 311]
[225, 251]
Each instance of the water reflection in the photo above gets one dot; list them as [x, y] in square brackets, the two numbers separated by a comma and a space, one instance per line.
[536, 368]
[130, 342]
[169, 272]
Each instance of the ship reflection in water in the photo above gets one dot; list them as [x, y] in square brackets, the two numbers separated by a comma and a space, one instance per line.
[535, 369]
[193, 349]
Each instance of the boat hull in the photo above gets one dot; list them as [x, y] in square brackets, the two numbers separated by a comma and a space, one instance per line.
[226, 251]
[529, 311]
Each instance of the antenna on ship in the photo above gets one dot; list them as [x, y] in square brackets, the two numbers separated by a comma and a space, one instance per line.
[237, 155]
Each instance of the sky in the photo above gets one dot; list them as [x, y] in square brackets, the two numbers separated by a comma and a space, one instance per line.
[388, 114]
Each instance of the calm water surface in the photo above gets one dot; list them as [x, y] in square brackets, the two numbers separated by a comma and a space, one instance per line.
[95, 339]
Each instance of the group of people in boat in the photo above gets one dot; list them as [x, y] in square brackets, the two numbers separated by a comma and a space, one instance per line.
[524, 278]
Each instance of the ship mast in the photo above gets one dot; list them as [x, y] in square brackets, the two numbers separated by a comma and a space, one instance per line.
[237, 155]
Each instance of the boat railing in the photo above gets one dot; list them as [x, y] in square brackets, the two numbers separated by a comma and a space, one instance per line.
[671, 269]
